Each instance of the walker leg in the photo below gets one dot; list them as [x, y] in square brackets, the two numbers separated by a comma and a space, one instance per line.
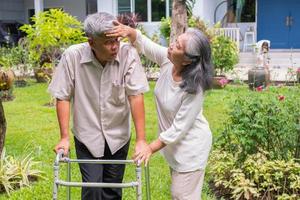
[147, 178]
[55, 185]
[69, 180]
[139, 180]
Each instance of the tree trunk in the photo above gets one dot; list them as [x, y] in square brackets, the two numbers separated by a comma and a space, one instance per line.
[2, 127]
[179, 19]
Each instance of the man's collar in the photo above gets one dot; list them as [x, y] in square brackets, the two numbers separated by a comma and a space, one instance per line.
[87, 55]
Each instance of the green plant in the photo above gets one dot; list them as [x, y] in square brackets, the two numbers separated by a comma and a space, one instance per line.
[5, 58]
[14, 58]
[256, 178]
[263, 121]
[17, 173]
[50, 33]
[7, 174]
[224, 54]
[203, 26]
[189, 6]
[165, 27]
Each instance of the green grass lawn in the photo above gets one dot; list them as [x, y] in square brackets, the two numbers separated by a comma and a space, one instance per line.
[32, 127]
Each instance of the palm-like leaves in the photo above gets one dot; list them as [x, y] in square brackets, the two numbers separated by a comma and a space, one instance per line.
[189, 6]
[17, 173]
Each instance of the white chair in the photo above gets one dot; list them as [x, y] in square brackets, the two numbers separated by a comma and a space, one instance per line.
[249, 41]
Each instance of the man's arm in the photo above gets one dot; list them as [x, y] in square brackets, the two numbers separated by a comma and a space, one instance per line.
[138, 116]
[63, 116]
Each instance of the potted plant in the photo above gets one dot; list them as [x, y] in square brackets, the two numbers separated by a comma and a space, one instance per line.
[224, 56]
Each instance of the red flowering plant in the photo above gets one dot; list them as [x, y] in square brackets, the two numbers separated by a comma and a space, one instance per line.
[264, 121]
[223, 82]
[281, 97]
[260, 88]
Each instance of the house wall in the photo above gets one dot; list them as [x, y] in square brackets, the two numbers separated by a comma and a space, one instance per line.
[12, 10]
[105, 6]
[77, 9]
[202, 8]
[205, 10]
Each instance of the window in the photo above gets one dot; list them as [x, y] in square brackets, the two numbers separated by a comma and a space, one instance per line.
[158, 9]
[241, 11]
[154, 12]
[91, 6]
[124, 6]
[141, 9]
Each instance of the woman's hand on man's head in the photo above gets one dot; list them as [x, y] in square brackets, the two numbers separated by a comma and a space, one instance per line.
[120, 30]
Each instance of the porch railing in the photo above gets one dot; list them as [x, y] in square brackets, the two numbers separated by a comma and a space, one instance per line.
[232, 33]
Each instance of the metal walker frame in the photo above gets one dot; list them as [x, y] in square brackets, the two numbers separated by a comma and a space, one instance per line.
[136, 183]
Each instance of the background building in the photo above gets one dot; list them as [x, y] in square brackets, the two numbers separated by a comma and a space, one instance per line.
[274, 20]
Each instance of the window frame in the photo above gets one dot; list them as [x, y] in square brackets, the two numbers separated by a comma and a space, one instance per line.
[230, 6]
[149, 9]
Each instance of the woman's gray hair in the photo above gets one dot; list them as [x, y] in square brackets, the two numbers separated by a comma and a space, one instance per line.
[198, 75]
[96, 24]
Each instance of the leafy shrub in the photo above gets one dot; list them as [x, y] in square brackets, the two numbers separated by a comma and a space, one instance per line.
[17, 173]
[10, 58]
[165, 27]
[256, 178]
[263, 121]
[4, 58]
[202, 26]
[224, 54]
[50, 32]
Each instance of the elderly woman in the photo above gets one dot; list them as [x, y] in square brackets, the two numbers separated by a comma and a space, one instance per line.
[184, 135]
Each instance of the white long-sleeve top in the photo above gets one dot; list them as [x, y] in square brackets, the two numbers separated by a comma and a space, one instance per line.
[182, 126]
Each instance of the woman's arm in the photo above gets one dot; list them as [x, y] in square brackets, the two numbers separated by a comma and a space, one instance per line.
[183, 121]
[144, 45]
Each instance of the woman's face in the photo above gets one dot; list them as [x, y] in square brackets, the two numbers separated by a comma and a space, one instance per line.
[176, 50]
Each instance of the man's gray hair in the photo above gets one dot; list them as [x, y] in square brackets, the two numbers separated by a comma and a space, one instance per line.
[197, 76]
[96, 24]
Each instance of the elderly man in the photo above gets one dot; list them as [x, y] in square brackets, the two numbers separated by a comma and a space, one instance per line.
[101, 81]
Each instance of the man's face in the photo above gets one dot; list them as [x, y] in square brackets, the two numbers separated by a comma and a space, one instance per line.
[105, 48]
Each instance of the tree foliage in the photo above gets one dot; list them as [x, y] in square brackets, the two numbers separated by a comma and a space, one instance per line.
[52, 31]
